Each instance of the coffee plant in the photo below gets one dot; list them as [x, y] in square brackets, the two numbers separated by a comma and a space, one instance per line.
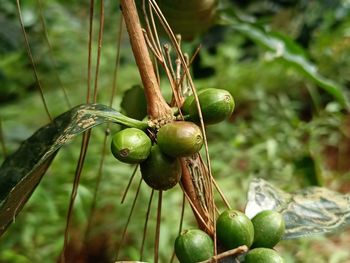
[164, 130]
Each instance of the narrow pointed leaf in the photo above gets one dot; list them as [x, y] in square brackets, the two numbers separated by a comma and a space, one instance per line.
[22, 171]
[309, 211]
[287, 50]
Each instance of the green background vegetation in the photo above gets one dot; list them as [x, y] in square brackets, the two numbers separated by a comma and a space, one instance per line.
[284, 129]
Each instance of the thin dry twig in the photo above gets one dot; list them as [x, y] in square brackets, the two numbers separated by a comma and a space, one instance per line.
[99, 49]
[54, 62]
[159, 215]
[30, 55]
[107, 132]
[89, 73]
[184, 64]
[232, 252]
[78, 171]
[129, 184]
[146, 224]
[181, 222]
[128, 220]
[157, 107]
[153, 43]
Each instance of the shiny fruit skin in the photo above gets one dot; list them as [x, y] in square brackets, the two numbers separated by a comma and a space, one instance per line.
[263, 255]
[188, 101]
[234, 229]
[193, 245]
[268, 228]
[180, 138]
[186, 105]
[216, 106]
[131, 145]
[160, 171]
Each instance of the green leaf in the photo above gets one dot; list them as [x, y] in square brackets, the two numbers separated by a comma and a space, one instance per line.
[21, 172]
[287, 50]
[309, 211]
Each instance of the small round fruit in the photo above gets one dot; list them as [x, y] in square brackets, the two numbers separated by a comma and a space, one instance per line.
[186, 105]
[160, 171]
[234, 229]
[268, 228]
[216, 106]
[193, 245]
[180, 138]
[131, 145]
[188, 101]
[263, 255]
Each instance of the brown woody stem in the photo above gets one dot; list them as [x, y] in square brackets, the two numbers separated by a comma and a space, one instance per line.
[190, 190]
[232, 252]
[157, 107]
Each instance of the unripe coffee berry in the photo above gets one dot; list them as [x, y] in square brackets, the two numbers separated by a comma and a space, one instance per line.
[131, 145]
[234, 229]
[160, 171]
[263, 255]
[180, 138]
[193, 246]
[268, 228]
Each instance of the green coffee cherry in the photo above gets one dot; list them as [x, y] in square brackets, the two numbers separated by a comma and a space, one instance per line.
[193, 246]
[268, 228]
[131, 145]
[160, 171]
[188, 101]
[263, 255]
[234, 229]
[216, 106]
[180, 138]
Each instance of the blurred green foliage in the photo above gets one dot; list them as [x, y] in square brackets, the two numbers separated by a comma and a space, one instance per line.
[280, 118]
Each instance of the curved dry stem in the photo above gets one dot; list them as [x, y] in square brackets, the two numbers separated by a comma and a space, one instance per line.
[181, 222]
[30, 55]
[97, 186]
[128, 220]
[104, 147]
[146, 224]
[117, 61]
[159, 215]
[129, 183]
[54, 62]
[157, 107]
[83, 151]
[99, 49]
[232, 252]
[89, 73]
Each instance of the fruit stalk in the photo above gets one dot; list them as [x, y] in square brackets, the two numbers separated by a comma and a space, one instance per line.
[157, 107]
[124, 120]
[228, 253]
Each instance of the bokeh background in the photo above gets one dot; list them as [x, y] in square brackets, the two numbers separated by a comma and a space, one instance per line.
[285, 129]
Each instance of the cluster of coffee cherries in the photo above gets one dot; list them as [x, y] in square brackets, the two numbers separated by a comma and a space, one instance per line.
[159, 157]
[234, 229]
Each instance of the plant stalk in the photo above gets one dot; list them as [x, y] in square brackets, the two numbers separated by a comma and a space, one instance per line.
[157, 107]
